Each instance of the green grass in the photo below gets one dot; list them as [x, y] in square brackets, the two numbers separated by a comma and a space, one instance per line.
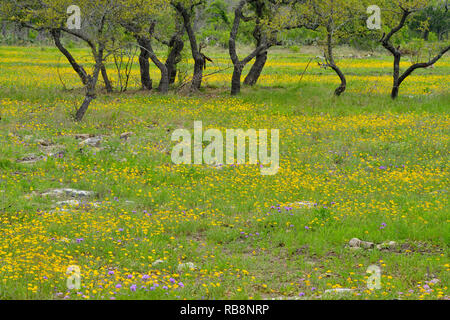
[364, 159]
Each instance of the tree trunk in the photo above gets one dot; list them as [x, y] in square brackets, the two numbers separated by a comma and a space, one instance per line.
[256, 70]
[146, 45]
[164, 82]
[82, 110]
[198, 74]
[332, 64]
[236, 79]
[90, 94]
[199, 61]
[176, 46]
[340, 90]
[108, 85]
[90, 87]
[385, 40]
[261, 58]
[396, 85]
[144, 65]
[240, 64]
[56, 35]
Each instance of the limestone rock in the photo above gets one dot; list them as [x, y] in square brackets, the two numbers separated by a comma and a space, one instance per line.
[186, 266]
[357, 243]
[93, 142]
[68, 192]
[126, 135]
[31, 159]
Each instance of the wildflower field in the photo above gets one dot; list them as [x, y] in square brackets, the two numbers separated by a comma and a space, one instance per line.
[358, 166]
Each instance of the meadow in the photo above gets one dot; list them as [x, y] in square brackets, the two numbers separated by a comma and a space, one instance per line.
[358, 166]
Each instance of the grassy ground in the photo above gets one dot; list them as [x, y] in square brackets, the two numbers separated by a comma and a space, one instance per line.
[374, 169]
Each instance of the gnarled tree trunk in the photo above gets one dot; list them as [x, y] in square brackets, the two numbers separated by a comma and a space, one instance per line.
[396, 85]
[146, 44]
[399, 78]
[330, 61]
[144, 66]
[256, 70]
[108, 85]
[340, 90]
[176, 46]
[240, 64]
[236, 79]
[199, 60]
[90, 86]
[261, 58]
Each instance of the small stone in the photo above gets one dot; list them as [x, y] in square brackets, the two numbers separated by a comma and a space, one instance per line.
[83, 136]
[77, 203]
[126, 135]
[354, 243]
[339, 290]
[93, 142]
[31, 159]
[387, 245]
[186, 266]
[44, 143]
[70, 203]
[159, 261]
[367, 245]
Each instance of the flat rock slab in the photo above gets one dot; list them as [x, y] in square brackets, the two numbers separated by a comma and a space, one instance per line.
[357, 243]
[44, 143]
[93, 142]
[83, 136]
[339, 290]
[77, 203]
[126, 135]
[31, 159]
[68, 192]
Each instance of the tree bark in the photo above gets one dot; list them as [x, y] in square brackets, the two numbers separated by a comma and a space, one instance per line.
[146, 44]
[341, 89]
[199, 61]
[396, 75]
[261, 58]
[90, 88]
[176, 46]
[236, 80]
[398, 79]
[108, 85]
[255, 72]
[56, 35]
[240, 64]
[144, 66]
[330, 61]
[385, 40]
